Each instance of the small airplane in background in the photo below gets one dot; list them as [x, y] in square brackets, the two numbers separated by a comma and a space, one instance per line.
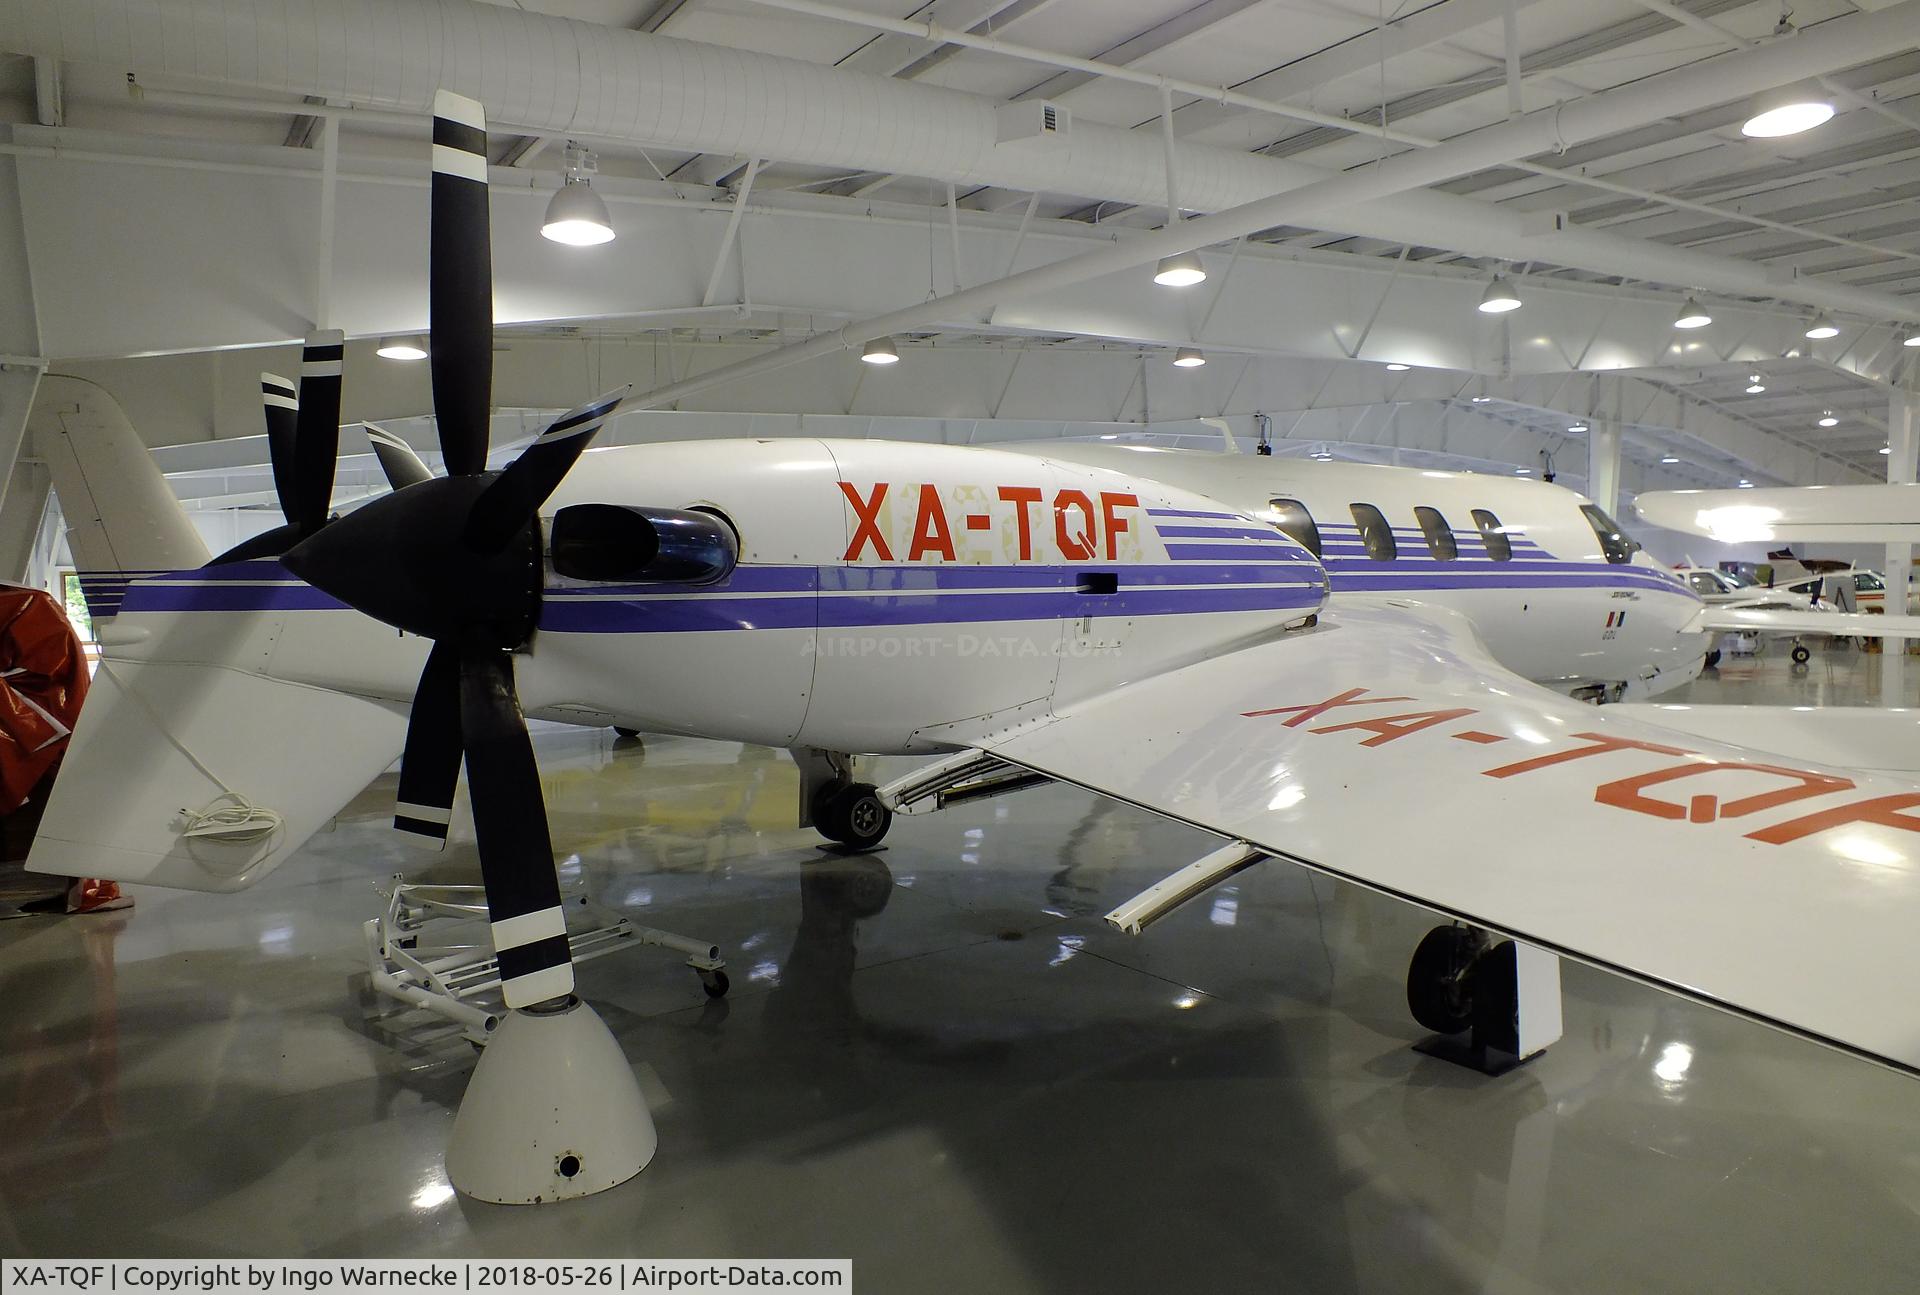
[1322, 664]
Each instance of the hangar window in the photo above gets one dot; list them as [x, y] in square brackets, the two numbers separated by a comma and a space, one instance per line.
[1296, 523]
[1440, 541]
[1614, 542]
[1374, 532]
[1493, 535]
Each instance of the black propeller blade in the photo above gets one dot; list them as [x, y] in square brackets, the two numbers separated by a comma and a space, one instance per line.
[430, 767]
[511, 499]
[303, 441]
[460, 283]
[397, 459]
[281, 403]
[316, 444]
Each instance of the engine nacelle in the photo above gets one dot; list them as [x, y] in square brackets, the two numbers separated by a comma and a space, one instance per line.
[615, 542]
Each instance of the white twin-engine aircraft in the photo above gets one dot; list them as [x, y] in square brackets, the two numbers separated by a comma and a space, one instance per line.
[1329, 665]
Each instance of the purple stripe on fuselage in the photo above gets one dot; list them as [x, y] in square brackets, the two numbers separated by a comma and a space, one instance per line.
[1219, 533]
[227, 598]
[1188, 512]
[1284, 553]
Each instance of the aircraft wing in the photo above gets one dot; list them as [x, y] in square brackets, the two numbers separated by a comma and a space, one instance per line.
[1739, 620]
[1877, 514]
[1386, 747]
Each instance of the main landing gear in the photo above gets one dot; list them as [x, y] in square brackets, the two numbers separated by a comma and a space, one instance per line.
[1801, 654]
[1492, 1004]
[836, 804]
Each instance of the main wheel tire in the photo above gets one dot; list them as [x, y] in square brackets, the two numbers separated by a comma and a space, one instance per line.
[1439, 980]
[864, 819]
[1495, 992]
[1801, 654]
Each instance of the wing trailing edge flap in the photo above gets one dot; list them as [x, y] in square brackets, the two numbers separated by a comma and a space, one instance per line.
[1386, 747]
[1734, 620]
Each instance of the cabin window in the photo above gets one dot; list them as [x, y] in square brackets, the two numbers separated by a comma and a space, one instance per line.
[1493, 535]
[1704, 583]
[1296, 523]
[1374, 532]
[1440, 541]
[1614, 542]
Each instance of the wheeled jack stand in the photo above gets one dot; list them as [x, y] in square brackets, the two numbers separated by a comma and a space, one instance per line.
[461, 981]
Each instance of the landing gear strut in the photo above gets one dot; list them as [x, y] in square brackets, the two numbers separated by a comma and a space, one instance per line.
[1492, 1004]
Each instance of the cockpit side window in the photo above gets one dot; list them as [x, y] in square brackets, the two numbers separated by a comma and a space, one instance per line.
[1440, 541]
[1297, 524]
[1374, 532]
[1704, 584]
[1614, 542]
[1499, 547]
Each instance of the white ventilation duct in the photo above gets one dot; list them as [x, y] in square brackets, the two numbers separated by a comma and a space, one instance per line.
[559, 76]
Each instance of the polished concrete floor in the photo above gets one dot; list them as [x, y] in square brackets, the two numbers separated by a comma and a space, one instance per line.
[937, 1061]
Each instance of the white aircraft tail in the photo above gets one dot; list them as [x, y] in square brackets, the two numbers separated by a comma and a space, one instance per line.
[204, 776]
[123, 521]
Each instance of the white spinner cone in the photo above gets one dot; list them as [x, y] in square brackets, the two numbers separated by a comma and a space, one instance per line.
[552, 1112]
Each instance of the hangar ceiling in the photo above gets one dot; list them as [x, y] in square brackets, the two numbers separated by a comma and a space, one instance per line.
[172, 212]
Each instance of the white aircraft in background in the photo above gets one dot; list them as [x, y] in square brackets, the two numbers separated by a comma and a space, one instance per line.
[1030, 615]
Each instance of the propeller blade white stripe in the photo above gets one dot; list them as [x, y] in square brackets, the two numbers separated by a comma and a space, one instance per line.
[275, 400]
[459, 162]
[424, 813]
[525, 991]
[458, 107]
[512, 932]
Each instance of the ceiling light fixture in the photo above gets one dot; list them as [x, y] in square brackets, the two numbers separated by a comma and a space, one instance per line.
[1828, 420]
[1912, 338]
[880, 351]
[1692, 315]
[1754, 384]
[1578, 427]
[402, 348]
[1481, 400]
[1788, 111]
[1499, 297]
[576, 215]
[1188, 357]
[1886, 449]
[1822, 327]
[1180, 271]
[1669, 458]
[1745, 485]
[1398, 368]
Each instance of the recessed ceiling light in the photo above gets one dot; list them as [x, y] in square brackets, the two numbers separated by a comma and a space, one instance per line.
[880, 351]
[1692, 315]
[1481, 400]
[1188, 357]
[1755, 389]
[1822, 327]
[1828, 420]
[1669, 458]
[401, 348]
[1398, 368]
[1788, 111]
[1499, 297]
[1182, 270]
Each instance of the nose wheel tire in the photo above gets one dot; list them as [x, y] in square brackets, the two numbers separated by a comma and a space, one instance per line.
[1801, 655]
[852, 815]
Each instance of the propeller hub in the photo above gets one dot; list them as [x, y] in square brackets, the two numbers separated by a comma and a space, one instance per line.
[404, 559]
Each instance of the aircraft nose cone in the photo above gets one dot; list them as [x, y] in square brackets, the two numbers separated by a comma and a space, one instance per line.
[401, 560]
